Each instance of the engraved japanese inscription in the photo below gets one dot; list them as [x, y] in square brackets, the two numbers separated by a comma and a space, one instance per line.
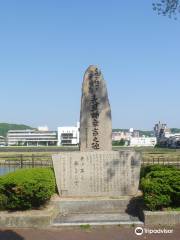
[96, 170]
[102, 173]
[95, 115]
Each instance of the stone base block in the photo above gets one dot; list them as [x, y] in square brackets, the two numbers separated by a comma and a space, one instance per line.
[98, 173]
[95, 219]
[161, 217]
[97, 211]
[92, 205]
[41, 218]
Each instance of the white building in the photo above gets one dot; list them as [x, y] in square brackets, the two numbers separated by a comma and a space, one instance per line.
[117, 136]
[174, 140]
[68, 135]
[125, 135]
[43, 128]
[143, 141]
[2, 141]
[31, 137]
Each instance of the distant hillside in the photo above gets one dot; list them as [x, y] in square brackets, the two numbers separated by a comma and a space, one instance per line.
[120, 129]
[175, 130]
[146, 133]
[5, 127]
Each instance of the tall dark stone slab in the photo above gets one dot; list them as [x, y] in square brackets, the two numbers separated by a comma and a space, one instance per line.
[95, 115]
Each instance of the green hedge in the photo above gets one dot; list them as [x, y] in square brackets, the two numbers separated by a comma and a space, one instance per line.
[118, 143]
[160, 186]
[26, 188]
[156, 167]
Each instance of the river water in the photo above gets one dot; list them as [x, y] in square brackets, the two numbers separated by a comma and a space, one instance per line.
[7, 169]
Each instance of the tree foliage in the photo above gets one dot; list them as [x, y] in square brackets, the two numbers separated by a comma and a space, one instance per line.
[168, 8]
[5, 127]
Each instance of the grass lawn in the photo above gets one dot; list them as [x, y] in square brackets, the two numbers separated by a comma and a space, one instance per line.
[173, 209]
[45, 153]
[161, 153]
[25, 155]
[148, 153]
[39, 153]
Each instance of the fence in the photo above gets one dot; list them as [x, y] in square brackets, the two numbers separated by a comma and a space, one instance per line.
[11, 163]
[173, 161]
[33, 160]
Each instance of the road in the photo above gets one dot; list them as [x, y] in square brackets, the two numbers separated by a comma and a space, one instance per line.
[100, 233]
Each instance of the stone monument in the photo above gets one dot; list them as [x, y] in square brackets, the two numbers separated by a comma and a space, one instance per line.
[95, 116]
[96, 170]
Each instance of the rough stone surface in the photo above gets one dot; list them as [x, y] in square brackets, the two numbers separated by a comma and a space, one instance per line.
[95, 116]
[96, 219]
[68, 205]
[102, 173]
[163, 218]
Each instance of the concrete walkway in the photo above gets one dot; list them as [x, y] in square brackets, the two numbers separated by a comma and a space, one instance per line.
[99, 233]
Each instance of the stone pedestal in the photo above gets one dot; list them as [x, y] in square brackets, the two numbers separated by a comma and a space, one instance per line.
[96, 211]
[72, 205]
[102, 173]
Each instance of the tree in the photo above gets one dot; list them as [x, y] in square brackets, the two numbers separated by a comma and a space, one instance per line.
[168, 8]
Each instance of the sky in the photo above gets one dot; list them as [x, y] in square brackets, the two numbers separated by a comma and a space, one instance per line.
[46, 46]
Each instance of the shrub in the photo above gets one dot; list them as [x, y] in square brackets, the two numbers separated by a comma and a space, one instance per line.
[156, 194]
[3, 202]
[156, 167]
[161, 187]
[27, 188]
[118, 143]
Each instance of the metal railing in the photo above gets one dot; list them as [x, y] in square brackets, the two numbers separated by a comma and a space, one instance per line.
[10, 163]
[170, 161]
[22, 160]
